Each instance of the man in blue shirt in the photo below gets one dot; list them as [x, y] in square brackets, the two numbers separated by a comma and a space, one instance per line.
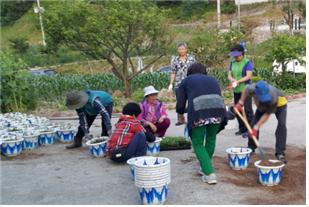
[88, 104]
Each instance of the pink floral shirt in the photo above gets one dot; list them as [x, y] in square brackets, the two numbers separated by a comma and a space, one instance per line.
[151, 115]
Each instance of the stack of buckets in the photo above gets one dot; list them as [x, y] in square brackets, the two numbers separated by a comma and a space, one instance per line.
[152, 176]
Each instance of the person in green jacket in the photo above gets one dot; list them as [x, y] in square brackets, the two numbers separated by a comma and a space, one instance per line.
[88, 104]
[240, 74]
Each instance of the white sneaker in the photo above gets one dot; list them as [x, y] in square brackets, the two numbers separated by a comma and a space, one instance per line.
[210, 179]
[200, 172]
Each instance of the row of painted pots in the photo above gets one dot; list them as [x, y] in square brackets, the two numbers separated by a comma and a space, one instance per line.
[14, 147]
[151, 176]
[98, 147]
[238, 159]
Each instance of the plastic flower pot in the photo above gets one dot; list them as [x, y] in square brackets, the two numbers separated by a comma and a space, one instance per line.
[269, 175]
[31, 142]
[46, 138]
[238, 157]
[66, 135]
[12, 147]
[97, 146]
[153, 148]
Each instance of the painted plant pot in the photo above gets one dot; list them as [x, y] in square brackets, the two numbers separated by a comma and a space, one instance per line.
[97, 146]
[269, 175]
[66, 135]
[153, 195]
[152, 176]
[238, 157]
[153, 148]
[11, 147]
[31, 142]
[46, 138]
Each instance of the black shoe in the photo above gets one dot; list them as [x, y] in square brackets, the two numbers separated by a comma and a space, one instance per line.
[73, 146]
[238, 133]
[282, 158]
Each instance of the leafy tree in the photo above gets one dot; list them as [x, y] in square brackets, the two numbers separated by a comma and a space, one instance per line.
[284, 48]
[212, 47]
[111, 30]
[13, 10]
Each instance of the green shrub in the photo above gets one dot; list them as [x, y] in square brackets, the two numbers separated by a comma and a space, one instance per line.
[228, 7]
[16, 92]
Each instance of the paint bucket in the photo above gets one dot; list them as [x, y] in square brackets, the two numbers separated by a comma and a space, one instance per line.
[269, 175]
[97, 146]
[152, 176]
[153, 148]
[238, 157]
[12, 146]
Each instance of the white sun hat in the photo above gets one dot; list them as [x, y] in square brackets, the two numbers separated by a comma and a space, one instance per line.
[149, 90]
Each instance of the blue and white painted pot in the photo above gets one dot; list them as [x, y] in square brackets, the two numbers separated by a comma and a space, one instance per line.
[66, 135]
[152, 176]
[153, 148]
[31, 142]
[238, 157]
[12, 148]
[97, 146]
[131, 163]
[47, 138]
[153, 195]
[269, 175]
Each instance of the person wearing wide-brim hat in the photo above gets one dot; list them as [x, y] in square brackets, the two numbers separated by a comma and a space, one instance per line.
[240, 74]
[153, 115]
[88, 104]
[268, 100]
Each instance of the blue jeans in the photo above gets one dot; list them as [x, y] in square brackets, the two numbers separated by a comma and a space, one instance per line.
[137, 147]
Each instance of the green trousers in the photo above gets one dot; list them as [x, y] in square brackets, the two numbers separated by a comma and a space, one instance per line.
[204, 152]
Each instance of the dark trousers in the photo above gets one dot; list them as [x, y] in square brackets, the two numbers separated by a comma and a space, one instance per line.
[281, 131]
[136, 148]
[90, 119]
[161, 127]
[248, 111]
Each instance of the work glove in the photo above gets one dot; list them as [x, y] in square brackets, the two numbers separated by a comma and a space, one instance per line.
[170, 87]
[254, 133]
[88, 137]
[238, 106]
[234, 84]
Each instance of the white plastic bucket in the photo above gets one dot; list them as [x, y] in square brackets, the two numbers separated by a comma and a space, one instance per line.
[153, 148]
[238, 157]
[269, 175]
[131, 163]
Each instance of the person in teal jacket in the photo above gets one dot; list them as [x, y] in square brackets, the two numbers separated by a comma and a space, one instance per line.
[88, 104]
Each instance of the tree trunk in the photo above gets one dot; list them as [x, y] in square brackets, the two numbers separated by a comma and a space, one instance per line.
[283, 68]
[127, 87]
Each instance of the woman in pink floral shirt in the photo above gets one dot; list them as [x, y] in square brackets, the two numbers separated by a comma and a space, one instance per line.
[153, 116]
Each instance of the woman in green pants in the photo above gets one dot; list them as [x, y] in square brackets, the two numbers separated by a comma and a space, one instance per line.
[206, 111]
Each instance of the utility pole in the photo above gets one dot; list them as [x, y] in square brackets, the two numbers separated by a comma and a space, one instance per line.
[40, 11]
[219, 14]
[238, 13]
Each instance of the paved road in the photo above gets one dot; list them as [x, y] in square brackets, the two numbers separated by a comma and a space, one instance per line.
[53, 175]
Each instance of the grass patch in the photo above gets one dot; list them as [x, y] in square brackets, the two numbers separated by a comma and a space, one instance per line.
[174, 143]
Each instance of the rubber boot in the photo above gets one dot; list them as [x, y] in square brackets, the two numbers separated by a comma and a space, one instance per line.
[77, 143]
